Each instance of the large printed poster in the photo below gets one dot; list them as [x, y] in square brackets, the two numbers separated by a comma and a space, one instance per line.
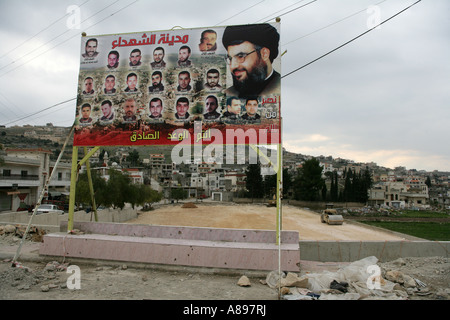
[209, 85]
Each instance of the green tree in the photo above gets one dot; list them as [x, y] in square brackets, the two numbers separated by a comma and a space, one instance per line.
[83, 193]
[118, 190]
[178, 194]
[287, 182]
[428, 182]
[133, 158]
[308, 182]
[334, 189]
[270, 185]
[115, 192]
[324, 192]
[254, 181]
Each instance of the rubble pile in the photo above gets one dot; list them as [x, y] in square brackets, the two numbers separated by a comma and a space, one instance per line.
[361, 280]
[24, 278]
[14, 233]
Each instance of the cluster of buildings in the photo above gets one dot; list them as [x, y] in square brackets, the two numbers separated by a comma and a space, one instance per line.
[24, 172]
[398, 188]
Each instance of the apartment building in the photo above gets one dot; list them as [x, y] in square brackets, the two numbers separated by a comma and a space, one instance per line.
[24, 174]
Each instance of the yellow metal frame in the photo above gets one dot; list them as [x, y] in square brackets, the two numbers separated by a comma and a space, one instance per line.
[73, 182]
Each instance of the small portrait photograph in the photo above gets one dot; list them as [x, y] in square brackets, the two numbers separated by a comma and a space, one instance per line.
[183, 57]
[85, 112]
[208, 40]
[90, 50]
[158, 58]
[107, 111]
[212, 80]
[251, 114]
[110, 83]
[157, 85]
[135, 58]
[184, 80]
[88, 86]
[156, 109]
[182, 107]
[211, 106]
[129, 109]
[113, 60]
[233, 110]
[132, 81]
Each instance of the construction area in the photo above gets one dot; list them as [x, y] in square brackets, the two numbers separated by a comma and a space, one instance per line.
[226, 251]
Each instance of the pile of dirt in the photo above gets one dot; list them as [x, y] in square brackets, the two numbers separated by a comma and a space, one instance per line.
[189, 205]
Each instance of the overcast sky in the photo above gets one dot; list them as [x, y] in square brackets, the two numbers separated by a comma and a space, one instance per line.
[384, 97]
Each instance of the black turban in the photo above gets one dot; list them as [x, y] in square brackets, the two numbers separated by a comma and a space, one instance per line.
[264, 35]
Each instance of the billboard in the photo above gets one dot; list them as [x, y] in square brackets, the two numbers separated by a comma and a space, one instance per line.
[208, 85]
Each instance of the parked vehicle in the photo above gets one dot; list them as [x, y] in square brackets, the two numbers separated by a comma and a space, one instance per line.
[48, 208]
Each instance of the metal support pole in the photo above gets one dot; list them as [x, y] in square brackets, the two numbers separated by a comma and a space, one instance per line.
[73, 186]
[91, 187]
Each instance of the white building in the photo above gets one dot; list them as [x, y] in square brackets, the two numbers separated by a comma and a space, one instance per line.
[24, 174]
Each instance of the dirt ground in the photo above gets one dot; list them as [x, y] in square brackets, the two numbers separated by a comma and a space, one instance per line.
[45, 279]
[306, 222]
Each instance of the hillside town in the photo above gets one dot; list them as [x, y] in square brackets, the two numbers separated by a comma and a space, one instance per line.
[29, 154]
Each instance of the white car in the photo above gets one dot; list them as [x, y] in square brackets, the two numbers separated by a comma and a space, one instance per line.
[47, 208]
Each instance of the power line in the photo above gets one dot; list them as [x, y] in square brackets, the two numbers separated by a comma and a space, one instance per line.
[35, 113]
[274, 13]
[344, 44]
[53, 48]
[46, 28]
[304, 5]
[239, 13]
[329, 25]
[76, 35]
[61, 34]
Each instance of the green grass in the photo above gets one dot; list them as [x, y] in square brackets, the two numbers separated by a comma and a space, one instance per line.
[422, 214]
[425, 230]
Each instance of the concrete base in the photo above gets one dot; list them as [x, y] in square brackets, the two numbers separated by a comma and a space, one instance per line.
[185, 246]
[348, 251]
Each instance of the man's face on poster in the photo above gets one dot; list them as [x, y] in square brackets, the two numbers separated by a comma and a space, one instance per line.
[129, 108]
[106, 109]
[209, 40]
[156, 108]
[85, 112]
[88, 85]
[182, 108]
[252, 107]
[135, 58]
[183, 54]
[183, 80]
[132, 82]
[212, 79]
[91, 48]
[235, 106]
[110, 82]
[158, 55]
[251, 71]
[112, 60]
[156, 79]
[211, 104]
